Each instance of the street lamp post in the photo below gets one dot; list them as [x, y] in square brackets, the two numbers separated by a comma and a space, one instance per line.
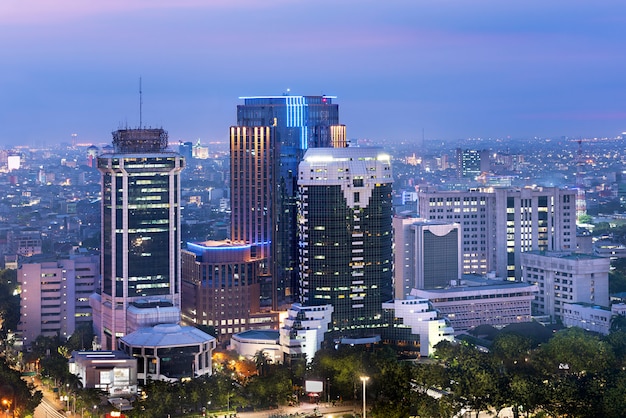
[364, 379]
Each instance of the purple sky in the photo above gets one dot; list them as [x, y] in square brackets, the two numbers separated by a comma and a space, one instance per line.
[455, 68]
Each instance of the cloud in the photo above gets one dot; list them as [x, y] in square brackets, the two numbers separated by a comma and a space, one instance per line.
[45, 11]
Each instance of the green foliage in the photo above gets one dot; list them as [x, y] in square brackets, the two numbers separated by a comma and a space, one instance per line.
[81, 339]
[617, 276]
[24, 396]
[9, 301]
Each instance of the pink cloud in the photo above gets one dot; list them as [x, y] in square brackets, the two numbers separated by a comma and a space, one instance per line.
[37, 11]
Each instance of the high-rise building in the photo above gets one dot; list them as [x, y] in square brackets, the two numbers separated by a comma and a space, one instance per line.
[427, 254]
[498, 224]
[473, 211]
[221, 289]
[470, 163]
[269, 140]
[345, 237]
[55, 296]
[140, 234]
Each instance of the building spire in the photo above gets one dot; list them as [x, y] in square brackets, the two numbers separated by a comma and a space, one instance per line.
[140, 104]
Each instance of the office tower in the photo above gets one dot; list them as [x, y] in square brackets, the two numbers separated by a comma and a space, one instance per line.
[345, 237]
[470, 163]
[270, 139]
[565, 277]
[427, 254]
[140, 234]
[473, 211]
[532, 219]
[55, 296]
[185, 149]
[498, 224]
[220, 288]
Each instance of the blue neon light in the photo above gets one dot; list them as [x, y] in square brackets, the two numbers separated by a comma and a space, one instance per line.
[197, 247]
[296, 112]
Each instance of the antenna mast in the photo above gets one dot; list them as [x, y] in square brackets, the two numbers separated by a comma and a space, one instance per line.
[140, 105]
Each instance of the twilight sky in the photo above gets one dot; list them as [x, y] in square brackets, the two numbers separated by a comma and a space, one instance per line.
[454, 68]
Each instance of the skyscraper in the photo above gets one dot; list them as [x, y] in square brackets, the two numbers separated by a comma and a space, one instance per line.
[345, 237]
[498, 224]
[269, 140]
[140, 234]
[427, 254]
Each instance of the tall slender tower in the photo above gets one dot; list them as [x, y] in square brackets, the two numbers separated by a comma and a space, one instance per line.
[345, 237]
[140, 234]
[270, 139]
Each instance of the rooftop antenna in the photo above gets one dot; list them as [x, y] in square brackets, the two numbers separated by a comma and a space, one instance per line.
[140, 104]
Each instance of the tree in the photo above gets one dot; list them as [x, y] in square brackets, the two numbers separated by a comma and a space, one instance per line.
[9, 302]
[23, 396]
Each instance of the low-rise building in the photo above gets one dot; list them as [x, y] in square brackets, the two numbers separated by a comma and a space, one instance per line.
[249, 343]
[565, 277]
[481, 301]
[113, 372]
[169, 352]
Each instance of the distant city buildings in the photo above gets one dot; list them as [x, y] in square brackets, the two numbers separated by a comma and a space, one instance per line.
[471, 163]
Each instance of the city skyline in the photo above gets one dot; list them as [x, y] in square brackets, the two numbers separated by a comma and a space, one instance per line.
[439, 70]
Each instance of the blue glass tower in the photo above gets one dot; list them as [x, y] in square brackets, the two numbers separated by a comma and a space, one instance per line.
[269, 141]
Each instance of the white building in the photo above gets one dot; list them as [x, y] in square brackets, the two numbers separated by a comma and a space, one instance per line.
[589, 317]
[419, 315]
[55, 296]
[482, 302]
[303, 330]
[564, 277]
[249, 343]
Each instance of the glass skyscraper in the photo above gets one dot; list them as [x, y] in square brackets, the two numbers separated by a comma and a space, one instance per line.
[269, 140]
[345, 237]
[140, 230]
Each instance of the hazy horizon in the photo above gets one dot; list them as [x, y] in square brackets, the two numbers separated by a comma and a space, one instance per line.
[399, 69]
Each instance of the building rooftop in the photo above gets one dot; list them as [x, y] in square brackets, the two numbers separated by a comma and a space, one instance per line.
[264, 335]
[566, 255]
[167, 335]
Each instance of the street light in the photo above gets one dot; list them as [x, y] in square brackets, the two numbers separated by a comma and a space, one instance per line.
[364, 379]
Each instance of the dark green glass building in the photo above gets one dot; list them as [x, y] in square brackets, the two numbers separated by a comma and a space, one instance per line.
[345, 237]
[140, 231]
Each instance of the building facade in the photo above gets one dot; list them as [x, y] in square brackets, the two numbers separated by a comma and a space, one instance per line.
[345, 236]
[55, 296]
[471, 163]
[140, 229]
[499, 224]
[427, 254]
[482, 302]
[269, 140]
[565, 277]
[221, 288]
